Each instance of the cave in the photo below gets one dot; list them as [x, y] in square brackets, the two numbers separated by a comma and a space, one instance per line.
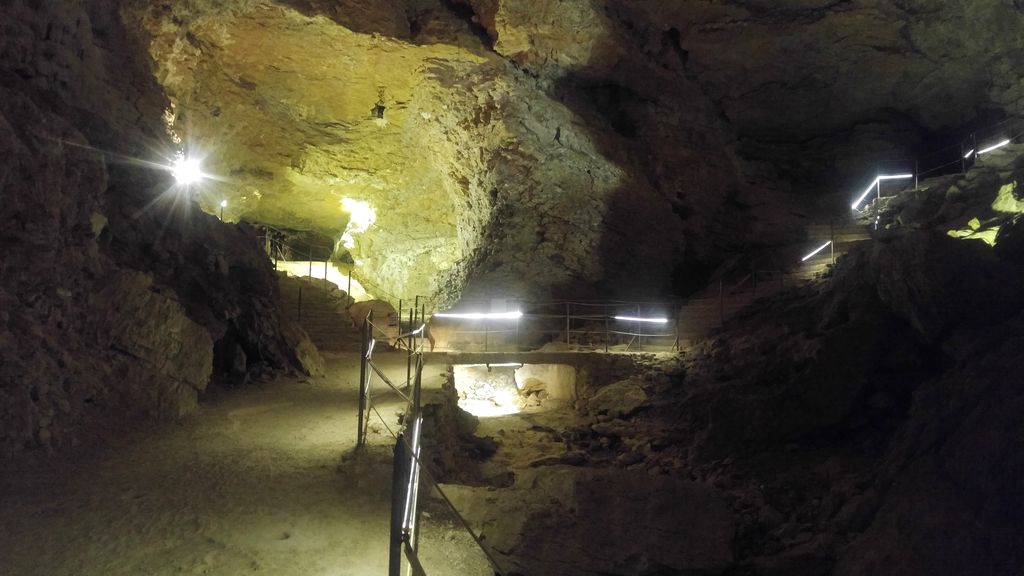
[514, 287]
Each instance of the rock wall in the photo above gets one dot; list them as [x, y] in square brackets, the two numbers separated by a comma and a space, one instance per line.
[113, 308]
[601, 170]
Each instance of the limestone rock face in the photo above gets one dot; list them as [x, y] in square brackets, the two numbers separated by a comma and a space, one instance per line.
[116, 306]
[810, 86]
[153, 329]
[482, 177]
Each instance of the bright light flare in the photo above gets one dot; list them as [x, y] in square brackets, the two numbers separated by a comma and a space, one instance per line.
[993, 147]
[639, 319]
[818, 249]
[481, 315]
[187, 171]
[875, 183]
[223, 203]
[969, 152]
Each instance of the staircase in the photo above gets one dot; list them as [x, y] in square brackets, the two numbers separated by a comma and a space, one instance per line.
[735, 289]
[323, 312]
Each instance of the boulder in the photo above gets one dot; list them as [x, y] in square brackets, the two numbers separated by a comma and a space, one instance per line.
[619, 399]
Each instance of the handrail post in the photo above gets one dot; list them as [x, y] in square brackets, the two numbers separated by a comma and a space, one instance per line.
[325, 272]
[310, 252]
[878, 199]
[677, 306]
[832, 239]
[516, 343]
[639, 331]
[398, 481]
[567, 328]
[364, 348]
[607, 333]
[408, 358]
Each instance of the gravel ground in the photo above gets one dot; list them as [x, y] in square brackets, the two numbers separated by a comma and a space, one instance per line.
[261, 480]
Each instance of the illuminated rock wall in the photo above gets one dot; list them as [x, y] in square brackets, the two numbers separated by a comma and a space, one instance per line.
[485, 179]
[112, 308]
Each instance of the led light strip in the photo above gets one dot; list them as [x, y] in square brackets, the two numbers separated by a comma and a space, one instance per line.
[875, 183]
[819, 249]
[638, 319]
[991, 148]
[481, 315]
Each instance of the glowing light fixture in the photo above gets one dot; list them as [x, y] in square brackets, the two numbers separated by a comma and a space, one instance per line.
[876, 182]
[223, 203]
[993, 147]
[969, 152]
[361, 216]
[639, 319]
[187, 171]
[481, 315]
[816, 250]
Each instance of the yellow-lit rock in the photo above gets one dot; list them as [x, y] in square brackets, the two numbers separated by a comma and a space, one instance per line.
[483, 179]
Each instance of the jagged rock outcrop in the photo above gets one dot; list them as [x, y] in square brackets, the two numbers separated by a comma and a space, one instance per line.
[116, 307]
[482, 176]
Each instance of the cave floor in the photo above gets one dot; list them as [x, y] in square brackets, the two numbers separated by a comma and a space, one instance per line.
[260, 480]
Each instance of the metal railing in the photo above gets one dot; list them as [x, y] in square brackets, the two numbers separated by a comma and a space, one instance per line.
[954, 159]
[278, 249]
[579, 324]
[407, 467]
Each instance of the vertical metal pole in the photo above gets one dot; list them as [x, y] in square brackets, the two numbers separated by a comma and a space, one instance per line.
[832, 238]
[917, 170]
[310, 251]
[516, 343]
[408, 358]
[607, 333]
[878, 200]
[350, 284]
[567, 328]
[400, 331]
[398, 493]
[363, 349]
[639, 330]
[678, 306]
[325, 272]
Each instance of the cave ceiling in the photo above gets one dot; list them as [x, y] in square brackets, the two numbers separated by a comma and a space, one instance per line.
[515, 148]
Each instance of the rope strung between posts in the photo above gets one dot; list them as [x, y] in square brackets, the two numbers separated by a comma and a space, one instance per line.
[434, 484]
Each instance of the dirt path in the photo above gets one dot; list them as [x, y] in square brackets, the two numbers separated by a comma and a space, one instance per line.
[251, 484]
